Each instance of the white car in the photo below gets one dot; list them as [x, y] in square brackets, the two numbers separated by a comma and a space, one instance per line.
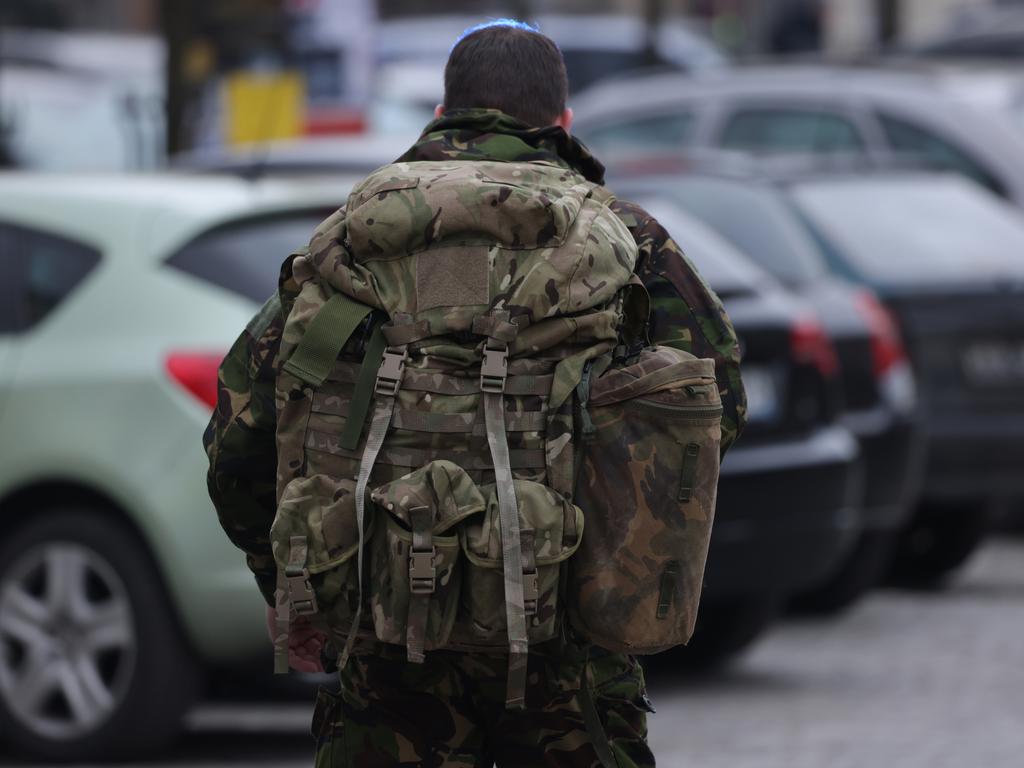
[117, 586]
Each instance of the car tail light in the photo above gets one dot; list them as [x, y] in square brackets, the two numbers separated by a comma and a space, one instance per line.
[196, 372]
[812, 346]
[889, 357]
[887, 348]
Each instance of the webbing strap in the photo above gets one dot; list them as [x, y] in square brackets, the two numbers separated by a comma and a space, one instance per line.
[493, 372]
[592, 721]
[282, 624]
[388, 382]
[421, 583]
[328, 331]
[363, 391]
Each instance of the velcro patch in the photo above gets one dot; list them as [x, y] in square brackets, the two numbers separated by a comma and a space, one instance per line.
[454, 276]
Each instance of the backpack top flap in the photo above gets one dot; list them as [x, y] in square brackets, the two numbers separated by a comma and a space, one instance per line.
[448, 241]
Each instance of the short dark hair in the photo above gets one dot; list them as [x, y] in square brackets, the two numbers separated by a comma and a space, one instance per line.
[507, 65]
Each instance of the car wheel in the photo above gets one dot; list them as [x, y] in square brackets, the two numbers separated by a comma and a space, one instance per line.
[725, 629]
[92, 664]
[862, 569]
[939, 539]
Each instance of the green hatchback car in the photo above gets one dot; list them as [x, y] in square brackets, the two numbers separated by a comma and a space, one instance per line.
[119, 297]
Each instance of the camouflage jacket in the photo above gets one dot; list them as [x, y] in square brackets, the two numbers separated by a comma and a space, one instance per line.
[240, 439]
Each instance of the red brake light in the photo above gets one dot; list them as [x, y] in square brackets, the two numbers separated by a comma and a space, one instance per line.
[812, 346]
[886, 343]
[197, 373]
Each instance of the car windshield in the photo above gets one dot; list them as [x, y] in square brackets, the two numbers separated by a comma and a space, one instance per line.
[758, 222]
[725, 269]
[245, 256]
[908, 229]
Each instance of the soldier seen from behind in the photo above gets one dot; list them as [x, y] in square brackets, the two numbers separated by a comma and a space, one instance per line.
[471, 447]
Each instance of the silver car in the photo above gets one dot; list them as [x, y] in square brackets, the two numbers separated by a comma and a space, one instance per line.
[872, 114]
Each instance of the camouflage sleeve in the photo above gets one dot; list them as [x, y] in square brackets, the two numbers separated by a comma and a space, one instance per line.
[240, 443]
[686, 313]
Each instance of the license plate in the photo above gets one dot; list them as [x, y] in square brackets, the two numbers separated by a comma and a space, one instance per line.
[994, 363]
[762, 393]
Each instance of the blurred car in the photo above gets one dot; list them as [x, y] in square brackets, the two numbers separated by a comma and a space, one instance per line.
[879, 116]
[120, 296]
[879, 398]
[945, 258]
[789, 498]
[989, 31]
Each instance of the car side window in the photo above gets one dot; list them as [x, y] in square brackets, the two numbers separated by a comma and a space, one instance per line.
[653, 133]
[244, 256]
[45, 270]
[790, 130]
[905, 136]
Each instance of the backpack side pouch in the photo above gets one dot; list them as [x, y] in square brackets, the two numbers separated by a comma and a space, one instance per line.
[317, 514]
[647, 486]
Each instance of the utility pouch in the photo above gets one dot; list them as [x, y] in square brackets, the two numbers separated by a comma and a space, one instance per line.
[315, 540]
[551, 528]
[647, 486]
[416, 569]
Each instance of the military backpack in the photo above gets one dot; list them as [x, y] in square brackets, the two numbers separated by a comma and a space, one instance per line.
[476, 450]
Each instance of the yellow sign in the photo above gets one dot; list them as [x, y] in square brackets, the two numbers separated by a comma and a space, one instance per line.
[263, 107]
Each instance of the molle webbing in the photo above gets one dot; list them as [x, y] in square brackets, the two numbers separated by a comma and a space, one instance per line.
[413, 458]
[427, 421]
[418, 380]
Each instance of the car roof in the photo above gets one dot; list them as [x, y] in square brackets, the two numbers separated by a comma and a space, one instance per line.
[106, 210]
[790, 80]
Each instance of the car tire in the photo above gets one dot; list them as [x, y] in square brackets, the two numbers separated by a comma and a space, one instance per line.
[92, 662]
[939, 539]
[863, 568]
[725, 629]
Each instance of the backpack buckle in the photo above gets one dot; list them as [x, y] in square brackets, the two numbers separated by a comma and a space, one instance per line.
[494, 368]
[300, 591]
[389, 374]
[531, 592]
[422, 572]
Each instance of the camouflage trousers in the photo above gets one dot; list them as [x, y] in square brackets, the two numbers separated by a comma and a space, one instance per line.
[449, 712]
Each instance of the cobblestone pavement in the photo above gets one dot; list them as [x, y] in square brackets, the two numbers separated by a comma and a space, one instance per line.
[905, 680]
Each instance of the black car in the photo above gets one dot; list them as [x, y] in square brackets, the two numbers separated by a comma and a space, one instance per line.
[790, 492]
[880, 405]
[945, 258]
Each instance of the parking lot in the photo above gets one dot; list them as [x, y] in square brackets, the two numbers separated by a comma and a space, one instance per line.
[905, 680]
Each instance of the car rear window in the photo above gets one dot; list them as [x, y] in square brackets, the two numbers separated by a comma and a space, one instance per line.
[917, 228]
[40, 270]
[757, 221]
[725, 269]
[245, 256]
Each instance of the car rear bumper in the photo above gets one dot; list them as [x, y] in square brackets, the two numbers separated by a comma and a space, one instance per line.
[893, 455]
[975, 459]
[786, 513]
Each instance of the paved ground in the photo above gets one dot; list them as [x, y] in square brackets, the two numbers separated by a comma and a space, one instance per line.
[904, 681]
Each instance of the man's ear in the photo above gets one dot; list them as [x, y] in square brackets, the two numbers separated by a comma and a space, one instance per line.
[438, 111]
[564, 120]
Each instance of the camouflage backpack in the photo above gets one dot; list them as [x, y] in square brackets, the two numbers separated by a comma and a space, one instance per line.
[470, 454]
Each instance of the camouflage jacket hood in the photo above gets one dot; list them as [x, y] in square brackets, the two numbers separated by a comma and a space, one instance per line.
[488, 134]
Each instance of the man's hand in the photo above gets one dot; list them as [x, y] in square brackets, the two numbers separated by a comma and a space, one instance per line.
[304, 642]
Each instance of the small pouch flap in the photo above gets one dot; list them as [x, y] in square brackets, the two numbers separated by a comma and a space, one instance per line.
[440, 486]
[656, 369]
[541, 510]
[321, 509]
